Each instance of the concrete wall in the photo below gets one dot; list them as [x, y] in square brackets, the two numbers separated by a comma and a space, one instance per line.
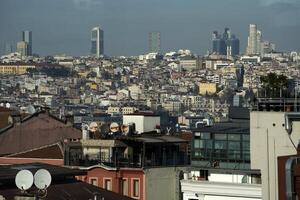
[163, 183]
[268, 140]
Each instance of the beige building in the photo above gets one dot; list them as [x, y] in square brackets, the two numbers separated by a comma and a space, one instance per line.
[207, 88]
[17, 69]
[268, 140]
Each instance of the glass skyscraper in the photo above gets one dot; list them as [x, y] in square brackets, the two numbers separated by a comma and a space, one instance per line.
[154, 42]
[226, 44]
[27, 37]
[97, 42]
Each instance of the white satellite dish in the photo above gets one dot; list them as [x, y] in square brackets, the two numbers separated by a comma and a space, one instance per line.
[24, 179]
[114, 127]
[42, 179]
[93, 127]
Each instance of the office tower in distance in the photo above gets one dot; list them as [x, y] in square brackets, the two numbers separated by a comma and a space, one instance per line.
[219, 45]
[22, 48]
[154, 42]
[226, 44]
[97, 42]
[254, 40]
[27, 37]
[233, 46]
[8, 49]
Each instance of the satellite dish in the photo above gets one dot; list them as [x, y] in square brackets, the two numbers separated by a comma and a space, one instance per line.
[93, 127]
[125, 129]
[31, 109]
[42, 179]
[24, 179]
[114, 127]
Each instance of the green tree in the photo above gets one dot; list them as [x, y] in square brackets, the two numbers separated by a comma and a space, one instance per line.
[274, 85]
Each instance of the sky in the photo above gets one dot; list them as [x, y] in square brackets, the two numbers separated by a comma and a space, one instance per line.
[63, 26]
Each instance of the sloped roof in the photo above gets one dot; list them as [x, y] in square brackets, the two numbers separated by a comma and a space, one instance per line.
[35, 131]
[53, 151]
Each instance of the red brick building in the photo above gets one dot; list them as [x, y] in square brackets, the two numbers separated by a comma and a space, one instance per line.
[126, 181]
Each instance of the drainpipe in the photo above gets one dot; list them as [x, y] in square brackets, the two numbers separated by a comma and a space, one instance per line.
[289, 118]
[292, 161]
[289, 177]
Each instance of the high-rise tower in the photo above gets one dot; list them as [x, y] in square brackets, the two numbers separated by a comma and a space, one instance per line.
[226, 44]
[154, 42]
[27, 37]
[97, 42]
[254, 40]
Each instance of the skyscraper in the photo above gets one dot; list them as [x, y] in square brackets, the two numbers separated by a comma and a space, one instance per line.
[27, 37]
[97, 42]
[254, 40]
[154, 42]
[22, 48]
[219, 44]
[226, 44]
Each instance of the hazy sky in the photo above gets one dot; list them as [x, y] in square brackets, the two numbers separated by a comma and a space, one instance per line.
[63, 26]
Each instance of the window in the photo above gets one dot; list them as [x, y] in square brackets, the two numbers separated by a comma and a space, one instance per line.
[124, 186]
[220, 136]
[94, 181]
[136, 188]
[205, 135]
[246, 137]
[107, 184]
[235, 137]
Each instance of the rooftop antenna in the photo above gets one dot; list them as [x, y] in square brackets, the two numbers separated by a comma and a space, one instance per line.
[24, 180]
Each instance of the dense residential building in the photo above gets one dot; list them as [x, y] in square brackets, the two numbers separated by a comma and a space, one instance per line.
[97, 42]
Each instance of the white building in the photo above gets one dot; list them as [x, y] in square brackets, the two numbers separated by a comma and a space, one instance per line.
[220, 186]
[269, 139]
[143, 122]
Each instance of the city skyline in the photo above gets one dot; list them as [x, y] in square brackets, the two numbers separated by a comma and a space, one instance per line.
[129, 22]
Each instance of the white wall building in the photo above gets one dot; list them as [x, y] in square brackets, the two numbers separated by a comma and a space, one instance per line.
[221, 186]
[268, 140]
[143, 122]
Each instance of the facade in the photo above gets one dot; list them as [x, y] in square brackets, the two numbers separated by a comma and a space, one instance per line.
[139, 166]
[27, 37]
[137, 183]
[254, 40]
[222, 145]
[269, 140]
[97, 42]
[190, 64]
[154, 42]
[16, 69]
[22, 48]
[207, 88]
